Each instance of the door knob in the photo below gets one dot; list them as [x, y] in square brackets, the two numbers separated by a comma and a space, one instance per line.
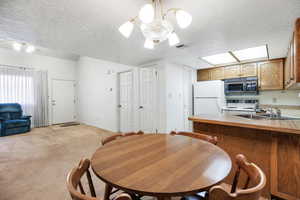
[141, 107]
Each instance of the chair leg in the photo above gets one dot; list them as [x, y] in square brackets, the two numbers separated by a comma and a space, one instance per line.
[107, 192]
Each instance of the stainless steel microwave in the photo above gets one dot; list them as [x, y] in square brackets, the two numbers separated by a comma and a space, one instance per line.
[241, 86]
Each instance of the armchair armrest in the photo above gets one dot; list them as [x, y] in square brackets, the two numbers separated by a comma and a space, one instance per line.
[26, 117]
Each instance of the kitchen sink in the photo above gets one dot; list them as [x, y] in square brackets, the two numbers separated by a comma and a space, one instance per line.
[266, 117]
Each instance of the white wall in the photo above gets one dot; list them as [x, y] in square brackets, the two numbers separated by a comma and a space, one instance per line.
[98, 92]
[171, 85]
[57, 68]
[174, 96]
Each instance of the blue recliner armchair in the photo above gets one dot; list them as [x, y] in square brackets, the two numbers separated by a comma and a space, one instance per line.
[12, 120]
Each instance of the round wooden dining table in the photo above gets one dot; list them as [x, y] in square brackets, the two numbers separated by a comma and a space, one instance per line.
[160, 165]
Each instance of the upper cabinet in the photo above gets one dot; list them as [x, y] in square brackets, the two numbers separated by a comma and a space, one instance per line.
[292, 62]
[217, 73]
[203, 75]
[232, 71]
[249, 70]
[270, 75]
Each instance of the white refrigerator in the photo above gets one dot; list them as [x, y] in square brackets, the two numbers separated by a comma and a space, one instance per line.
[209, 97]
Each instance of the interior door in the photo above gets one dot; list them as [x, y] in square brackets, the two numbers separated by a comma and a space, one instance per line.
[63, 101]
[187, 99]
[126, 101]
[148, 100]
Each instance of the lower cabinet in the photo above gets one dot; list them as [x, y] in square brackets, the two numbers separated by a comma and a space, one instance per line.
[285, 166]
[277, 154]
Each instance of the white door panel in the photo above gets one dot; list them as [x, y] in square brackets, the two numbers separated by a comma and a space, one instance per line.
[126, 101]
[187, 99]
[147, 109]
[63, 101]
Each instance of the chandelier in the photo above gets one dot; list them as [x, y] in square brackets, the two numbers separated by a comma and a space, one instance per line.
[154, 24]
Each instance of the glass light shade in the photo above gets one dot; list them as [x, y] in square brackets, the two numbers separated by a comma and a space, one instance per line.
[222, 58]
[149, 44]
[184, 19]
[30, 49]
[173, 39]
[146, 13]
[158, 30]
[126, 29]
[252, 53]
[17, 46]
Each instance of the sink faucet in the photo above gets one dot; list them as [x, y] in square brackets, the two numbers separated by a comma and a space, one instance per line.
[276, 114]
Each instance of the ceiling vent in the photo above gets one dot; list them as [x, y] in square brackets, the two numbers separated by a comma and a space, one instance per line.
[181, 46]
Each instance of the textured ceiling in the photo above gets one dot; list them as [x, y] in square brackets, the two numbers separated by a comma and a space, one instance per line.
[90, 27]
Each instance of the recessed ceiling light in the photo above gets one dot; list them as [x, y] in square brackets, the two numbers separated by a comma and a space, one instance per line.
[251, 53]
[223, 58]
[17, 46]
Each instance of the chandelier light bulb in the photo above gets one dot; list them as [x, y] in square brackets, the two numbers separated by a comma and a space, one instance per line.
[173, 39]
[30, 49]
[17, 46]
[146, 14]
[184, 19]
[149, 44]
[126, 29]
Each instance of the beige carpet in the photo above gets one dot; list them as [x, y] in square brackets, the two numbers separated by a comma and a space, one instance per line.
[34, 166]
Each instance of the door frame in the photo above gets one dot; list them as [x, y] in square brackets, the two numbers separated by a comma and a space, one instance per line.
[118, 99]
[52, 92]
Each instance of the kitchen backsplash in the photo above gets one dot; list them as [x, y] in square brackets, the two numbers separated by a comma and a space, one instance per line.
[278, 98]
[281, 97]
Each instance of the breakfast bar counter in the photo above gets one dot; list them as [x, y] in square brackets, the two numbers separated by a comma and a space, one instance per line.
[274, 145]
[284, 126]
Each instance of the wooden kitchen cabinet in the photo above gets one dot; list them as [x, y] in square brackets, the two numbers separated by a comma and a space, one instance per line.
[270, 75]
[232, 71]
[217, 73]
[248, 70]
[203, 75]
[292, 62]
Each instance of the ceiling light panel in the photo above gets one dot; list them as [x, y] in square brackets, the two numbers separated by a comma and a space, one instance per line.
[251, 53]
[223, 58]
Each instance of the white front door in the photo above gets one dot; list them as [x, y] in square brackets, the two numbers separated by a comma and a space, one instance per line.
[148, 100]
[63, 101]
[126, 101]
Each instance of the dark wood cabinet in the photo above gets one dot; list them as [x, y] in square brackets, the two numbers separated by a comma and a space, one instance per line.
[292, 61]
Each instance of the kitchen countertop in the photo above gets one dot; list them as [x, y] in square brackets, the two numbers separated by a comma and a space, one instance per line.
[285, 126]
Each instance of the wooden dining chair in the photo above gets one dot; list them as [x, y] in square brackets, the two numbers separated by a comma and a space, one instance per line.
[110, 138]
[250, 190]
[201, 136]
[133, 133]
[74, 181]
